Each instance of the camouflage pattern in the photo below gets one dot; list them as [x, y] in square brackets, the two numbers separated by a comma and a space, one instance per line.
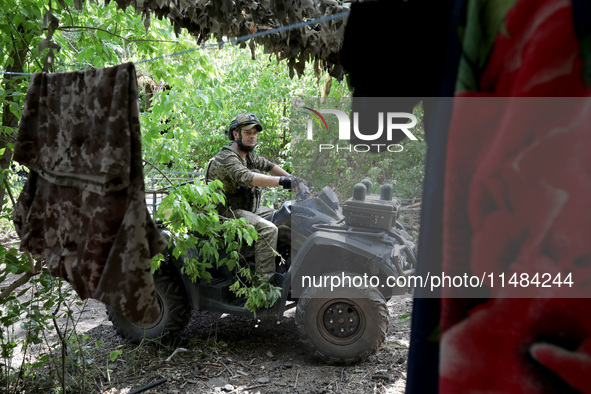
[236, 175]
[234, 172]
[83, 207]
[244, 121]
[265, 245]
[247, 121]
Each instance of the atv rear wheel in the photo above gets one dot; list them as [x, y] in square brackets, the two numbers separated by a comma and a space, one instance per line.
[346, 329]
[174, 310]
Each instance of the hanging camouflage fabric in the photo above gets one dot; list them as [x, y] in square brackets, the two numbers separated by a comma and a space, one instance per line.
[83, 208]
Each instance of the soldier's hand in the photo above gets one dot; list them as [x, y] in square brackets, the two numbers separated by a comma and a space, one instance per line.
[292, 183]
[285, 182]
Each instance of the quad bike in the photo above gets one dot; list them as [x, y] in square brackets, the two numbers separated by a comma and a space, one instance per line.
[320, 241]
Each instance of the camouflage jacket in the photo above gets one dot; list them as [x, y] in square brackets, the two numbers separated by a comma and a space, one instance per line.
[236, 175]
[83, 207]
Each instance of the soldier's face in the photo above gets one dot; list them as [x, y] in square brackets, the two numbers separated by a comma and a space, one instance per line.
[249, 137]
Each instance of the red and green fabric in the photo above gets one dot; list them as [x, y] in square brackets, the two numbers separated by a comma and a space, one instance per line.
[517, 187]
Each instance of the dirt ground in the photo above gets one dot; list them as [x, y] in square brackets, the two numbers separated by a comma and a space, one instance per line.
[225, 354]
[242, 355]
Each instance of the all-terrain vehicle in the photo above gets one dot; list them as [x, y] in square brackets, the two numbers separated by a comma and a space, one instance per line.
[340, 267]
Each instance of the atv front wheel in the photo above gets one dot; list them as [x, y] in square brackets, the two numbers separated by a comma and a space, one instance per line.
[346, 329]
[174, 310]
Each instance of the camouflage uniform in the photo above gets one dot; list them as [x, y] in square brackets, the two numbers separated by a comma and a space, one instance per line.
[243, 201]
[83, 207]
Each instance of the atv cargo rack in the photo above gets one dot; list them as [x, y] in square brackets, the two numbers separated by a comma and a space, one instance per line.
[160, 182]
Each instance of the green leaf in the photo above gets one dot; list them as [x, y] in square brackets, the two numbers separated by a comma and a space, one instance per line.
[114, 355]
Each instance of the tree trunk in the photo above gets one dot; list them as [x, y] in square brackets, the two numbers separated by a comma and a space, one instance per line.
[9, 120]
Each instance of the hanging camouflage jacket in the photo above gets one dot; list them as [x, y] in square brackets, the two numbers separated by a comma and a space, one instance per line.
[236, 175]
[83, 208]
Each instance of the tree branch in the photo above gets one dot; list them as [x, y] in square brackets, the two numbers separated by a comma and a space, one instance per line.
[19, 282]
[24, 43]
[69, 28]
[34, 269]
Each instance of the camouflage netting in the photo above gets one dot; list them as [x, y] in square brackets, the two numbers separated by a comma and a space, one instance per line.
[318, 45]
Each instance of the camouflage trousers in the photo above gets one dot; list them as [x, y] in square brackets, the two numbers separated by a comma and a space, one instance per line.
[264, 247]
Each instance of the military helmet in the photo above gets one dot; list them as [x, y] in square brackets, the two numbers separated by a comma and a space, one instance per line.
[243, 121]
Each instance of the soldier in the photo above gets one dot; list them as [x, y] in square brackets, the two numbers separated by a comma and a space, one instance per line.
[240, 170]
